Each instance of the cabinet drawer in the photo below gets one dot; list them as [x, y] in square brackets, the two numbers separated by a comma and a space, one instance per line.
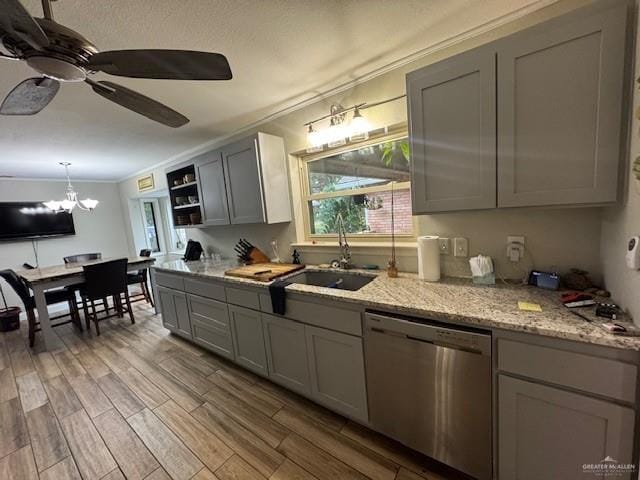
[598, 375]
[210, 336]
[244, 298]
[333, 318]
[205, 289]
[209, 311]
[170, 281]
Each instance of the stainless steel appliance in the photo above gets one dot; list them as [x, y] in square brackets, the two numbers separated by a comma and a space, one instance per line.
[429, 387]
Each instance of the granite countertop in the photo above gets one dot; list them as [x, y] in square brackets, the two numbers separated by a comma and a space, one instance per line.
[450, 300]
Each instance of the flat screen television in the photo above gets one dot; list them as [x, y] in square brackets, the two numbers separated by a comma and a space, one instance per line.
[20, 220]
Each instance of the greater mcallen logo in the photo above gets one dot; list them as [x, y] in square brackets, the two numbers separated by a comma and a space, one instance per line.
[609, 467]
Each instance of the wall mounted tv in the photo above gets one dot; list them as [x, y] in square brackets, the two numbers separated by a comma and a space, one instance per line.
[19, 220]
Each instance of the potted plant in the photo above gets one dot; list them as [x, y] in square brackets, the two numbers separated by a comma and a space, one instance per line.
[9, 316]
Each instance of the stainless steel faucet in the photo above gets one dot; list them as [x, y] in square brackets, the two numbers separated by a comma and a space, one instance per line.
[345, 250]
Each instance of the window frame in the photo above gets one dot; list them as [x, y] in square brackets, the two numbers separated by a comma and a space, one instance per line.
[305, 159]
[158, 222]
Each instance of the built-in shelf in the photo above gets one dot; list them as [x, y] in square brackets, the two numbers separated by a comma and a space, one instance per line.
[184, 185]
[180, 207]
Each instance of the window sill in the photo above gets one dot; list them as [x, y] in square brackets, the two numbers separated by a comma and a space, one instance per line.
[404, 248]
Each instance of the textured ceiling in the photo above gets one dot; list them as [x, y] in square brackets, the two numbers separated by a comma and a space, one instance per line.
[281, 52]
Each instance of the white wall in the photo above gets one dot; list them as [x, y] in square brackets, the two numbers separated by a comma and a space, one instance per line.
[557, 239]
[102, 230]
[622, 222]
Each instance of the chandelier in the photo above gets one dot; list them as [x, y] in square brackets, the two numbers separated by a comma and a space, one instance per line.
[70, 198]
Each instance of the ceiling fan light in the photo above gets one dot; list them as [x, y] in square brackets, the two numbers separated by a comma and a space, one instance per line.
[89, 203]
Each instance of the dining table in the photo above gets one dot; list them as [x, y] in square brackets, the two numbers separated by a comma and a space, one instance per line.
[42, 279]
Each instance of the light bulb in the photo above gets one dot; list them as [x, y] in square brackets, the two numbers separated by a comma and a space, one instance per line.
[359, 127]
[315, 140]
[52, 205]
[89, 203]
[67, 205]
[337, 135]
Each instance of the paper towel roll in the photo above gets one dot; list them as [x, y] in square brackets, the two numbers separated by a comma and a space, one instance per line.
[428, 259]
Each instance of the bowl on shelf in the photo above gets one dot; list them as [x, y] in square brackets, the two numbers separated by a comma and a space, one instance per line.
[195, 218]
[178, 181]
[189, 177]
[181, 201]
[192, 199]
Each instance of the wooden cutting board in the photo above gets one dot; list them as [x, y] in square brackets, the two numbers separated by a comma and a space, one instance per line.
[275, 270]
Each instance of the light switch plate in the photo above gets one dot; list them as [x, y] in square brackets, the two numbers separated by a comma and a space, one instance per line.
[460, 247]
[444, 245]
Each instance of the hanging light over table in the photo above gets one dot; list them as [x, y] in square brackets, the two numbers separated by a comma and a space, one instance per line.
[70, 200]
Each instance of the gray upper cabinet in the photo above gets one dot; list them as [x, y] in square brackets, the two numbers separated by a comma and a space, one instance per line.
[546, 432]
[244, 188]
[248, 339]
[213, 197]
[256, 179]
[532, 119]
[286, 353]
[560, 89]
[452, 120]
[336, 367]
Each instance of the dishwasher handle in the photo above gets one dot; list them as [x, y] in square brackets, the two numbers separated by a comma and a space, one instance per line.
[446, 337]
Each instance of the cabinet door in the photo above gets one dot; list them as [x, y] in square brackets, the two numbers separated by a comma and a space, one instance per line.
[213, 194]
[243, 181]
[182, 314]
[452, 121]
[248, 339]
[336, 365]
[560, 88]
[545, 432]
[286, 353]
[210, 325]
[166, 301]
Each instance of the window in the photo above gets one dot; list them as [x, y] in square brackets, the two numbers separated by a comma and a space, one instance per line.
[150, 222]
[361, 184]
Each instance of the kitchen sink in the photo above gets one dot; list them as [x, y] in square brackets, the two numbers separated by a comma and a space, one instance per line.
[338, 280]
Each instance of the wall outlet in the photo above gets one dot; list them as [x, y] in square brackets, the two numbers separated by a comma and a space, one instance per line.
[444, 245]
[515, 247]
[460, 247]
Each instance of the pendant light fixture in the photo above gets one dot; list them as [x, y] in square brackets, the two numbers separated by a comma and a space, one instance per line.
[70, 200]
[359, 127]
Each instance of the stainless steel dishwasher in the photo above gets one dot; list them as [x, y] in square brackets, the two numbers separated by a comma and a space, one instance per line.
[429, 387]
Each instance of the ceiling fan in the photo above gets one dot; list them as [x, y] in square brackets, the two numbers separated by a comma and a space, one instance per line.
[63, 55]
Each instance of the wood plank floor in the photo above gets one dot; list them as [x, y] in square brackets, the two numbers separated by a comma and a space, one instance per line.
[139, 403]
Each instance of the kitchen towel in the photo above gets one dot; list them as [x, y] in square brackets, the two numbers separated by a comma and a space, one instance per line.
[428, 258]
[278, 296]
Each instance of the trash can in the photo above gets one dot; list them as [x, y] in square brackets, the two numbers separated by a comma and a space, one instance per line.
[9, 319]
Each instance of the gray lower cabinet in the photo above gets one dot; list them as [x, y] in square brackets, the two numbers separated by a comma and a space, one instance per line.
[547, 432]
[210, 325]
[213, 197]
[336, 367]
[175, 313]
[452, 119]
[286, 353]
[560, 92]
[248, 339]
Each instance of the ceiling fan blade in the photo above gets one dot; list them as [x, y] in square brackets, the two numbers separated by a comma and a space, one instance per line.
[16, 21]
[162, 64]
[139, 103]
[30, 96]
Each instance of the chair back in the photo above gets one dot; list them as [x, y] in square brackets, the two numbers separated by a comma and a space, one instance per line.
[105, 279]
[145, 252]
[82, 257]
[19, 286]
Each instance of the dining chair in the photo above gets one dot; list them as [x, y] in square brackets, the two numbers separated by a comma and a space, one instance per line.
[140, 278]
[52, 297]
[80, 258]
[102, 280]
